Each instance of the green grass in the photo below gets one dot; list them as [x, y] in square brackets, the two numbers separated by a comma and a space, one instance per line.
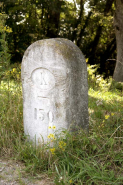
[76, 158]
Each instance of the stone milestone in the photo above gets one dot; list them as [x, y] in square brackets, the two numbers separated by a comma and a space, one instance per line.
[55, 88]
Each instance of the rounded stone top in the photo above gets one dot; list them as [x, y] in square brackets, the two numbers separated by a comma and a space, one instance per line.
[59, 45]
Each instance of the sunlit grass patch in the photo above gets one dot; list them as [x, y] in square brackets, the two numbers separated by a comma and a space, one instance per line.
[11, 124]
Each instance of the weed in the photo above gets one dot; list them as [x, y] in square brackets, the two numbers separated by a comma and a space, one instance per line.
[72, 158]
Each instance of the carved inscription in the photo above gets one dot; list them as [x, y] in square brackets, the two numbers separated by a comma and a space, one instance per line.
[43, 82]
[40, 114]
[50, 117]
[35, 113]
[43, 79]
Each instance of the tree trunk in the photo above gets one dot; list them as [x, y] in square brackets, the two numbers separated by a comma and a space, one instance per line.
[78, 21]
[53, 18]
[94, 45]
[95, 42]
[105, 58]
[118, 23]
[83, 29]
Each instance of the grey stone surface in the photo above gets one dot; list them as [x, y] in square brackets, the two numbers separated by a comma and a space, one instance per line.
[55, 88]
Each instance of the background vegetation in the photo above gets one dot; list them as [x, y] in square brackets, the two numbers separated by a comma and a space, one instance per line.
[91, 28]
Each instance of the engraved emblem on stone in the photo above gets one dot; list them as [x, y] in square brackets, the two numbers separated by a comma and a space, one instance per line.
[43, 79]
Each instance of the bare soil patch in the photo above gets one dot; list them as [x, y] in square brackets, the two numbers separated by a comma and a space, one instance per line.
[12, 173]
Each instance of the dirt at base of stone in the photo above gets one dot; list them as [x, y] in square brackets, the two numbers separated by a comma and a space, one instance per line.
[12, 173]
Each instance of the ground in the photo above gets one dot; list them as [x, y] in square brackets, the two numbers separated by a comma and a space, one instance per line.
[12, 173]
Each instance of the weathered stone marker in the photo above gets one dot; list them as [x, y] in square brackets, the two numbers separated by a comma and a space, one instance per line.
[55, 90]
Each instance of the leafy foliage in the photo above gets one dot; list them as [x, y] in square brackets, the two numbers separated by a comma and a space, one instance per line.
[91, 29]
[4, 53]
